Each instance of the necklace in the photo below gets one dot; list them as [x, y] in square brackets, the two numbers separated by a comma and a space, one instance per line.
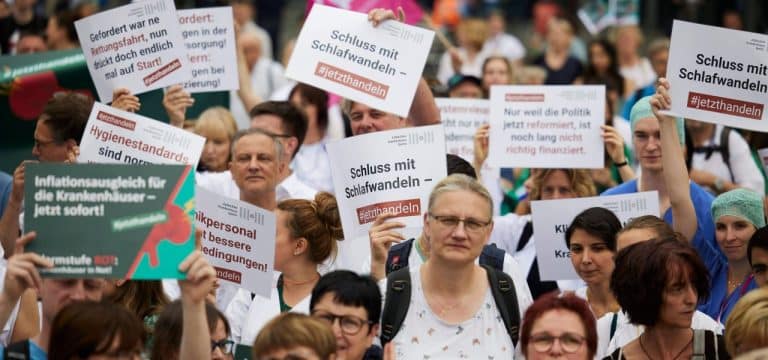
[297, 283]
[674, 358]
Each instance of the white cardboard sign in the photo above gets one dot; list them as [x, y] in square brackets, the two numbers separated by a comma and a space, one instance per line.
[547, 126]
[116, 136]
[341, 52]
[721, 80]
[209, 39]
[391, 171]
[551, 219]
[238, 239]
[460, 119]
[137, 46]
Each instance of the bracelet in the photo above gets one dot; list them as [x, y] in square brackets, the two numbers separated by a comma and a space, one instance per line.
[621, 164]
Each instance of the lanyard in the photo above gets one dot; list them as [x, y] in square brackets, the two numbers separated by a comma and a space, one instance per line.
[727, 299]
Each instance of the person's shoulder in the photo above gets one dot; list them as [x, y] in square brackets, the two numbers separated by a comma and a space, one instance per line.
[699, 195]
[628, 187]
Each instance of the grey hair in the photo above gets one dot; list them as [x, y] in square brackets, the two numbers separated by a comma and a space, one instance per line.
[256, 131]
[457, 182]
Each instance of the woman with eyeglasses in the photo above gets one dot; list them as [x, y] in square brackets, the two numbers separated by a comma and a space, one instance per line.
[168, 331]
[559, 325]
[307, 232]
[659, 283]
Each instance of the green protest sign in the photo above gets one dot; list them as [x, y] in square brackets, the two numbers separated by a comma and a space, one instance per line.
[114, 221]
[243, 352]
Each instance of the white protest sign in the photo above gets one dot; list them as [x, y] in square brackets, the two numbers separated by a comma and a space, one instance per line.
[136, 46]
[551, 219]
[392, 171]
[238, 239]
[341, 52]
[460, 119]
[209, 39]
[116, 136]
[547, 126]
[723, 79]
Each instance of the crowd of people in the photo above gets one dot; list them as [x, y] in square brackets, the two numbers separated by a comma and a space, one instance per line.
[681, 284]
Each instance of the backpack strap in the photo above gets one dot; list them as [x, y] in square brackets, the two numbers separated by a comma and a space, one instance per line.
[699, 345]
[493, 257]
[397, 257]
[17, 351]
[503, 290]
[614, 323]
[725, 149]
[396, 303]
[525, 236]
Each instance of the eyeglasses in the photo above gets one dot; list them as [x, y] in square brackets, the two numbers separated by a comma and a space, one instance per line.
[569, 342]
[226, 346]
[349, 324]
[470, 225]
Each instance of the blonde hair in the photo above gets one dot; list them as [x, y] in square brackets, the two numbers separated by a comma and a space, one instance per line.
[457, 182]
[317, 221]
[216, 120]
[748, 322]
[290, 330]
[580, 180]
[474, 31]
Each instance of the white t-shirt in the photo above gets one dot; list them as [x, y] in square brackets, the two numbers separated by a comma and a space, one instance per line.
[505, 45]
[641, 74]
[745, 172]
[247, 317]
[222, 183]
[424, 335]
[312, 165]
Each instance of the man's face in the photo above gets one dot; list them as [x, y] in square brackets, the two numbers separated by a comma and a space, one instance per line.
[659, 63]
[274, 124]
[46, 149]
[647, 141]
[760, 265]
[57, 293]
[351, 345]
[365, 119]
[30, 44]
[255, 164]
[467, 90]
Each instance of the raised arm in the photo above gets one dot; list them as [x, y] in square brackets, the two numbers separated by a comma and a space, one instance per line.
[248, 97]
[195, 336]
[176, 100]
[9, 223]
[614, 146]
[21, 275]
[675, 172]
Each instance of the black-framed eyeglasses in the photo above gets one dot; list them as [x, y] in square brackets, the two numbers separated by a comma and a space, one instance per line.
[451, 222]
[569, 342]
[226, 346]
[349, 324]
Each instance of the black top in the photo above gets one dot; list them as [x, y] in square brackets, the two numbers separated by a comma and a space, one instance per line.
[565, 75]
[8, 26]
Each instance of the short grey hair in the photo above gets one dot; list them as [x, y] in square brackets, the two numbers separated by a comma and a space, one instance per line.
[256, 131]
[457, 182]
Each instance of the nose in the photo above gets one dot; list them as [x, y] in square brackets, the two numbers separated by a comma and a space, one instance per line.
[460, 231]
[654, 142]
[691, 297]
[254, 164]
[35, 151]
[336, 327]
[556, 349]
[586, 257]
[730, 234]
[77, 292]
[217, 354]
[208, 146]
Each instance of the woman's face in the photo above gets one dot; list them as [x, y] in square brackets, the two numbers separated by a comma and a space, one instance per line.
[496, 73]
[215, 155]
[458, 226]
[733, 234]
[599, 57]
[223, 349]
[557, 334]
[557, 186]
[591, 258]
[297, 352]
[679, 300]
[285, 245]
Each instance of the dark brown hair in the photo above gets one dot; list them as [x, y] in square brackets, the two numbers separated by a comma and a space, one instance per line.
[643, 271]
[316, 97]
[317, 221]
[169, 327]
[293, 121]
[557, 301]
[66, 114]
[141, 297]
[650, 222]
[85, 328]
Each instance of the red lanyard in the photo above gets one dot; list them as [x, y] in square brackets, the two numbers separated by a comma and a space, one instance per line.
[727, 298]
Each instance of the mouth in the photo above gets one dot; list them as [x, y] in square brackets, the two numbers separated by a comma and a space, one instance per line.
[253, 177]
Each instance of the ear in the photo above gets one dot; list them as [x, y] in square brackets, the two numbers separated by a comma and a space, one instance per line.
[301, 246]
[120, 282]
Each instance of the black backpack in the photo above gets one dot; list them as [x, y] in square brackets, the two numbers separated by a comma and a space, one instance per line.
[17, 351]
[397, 258]
[398, 298]
[724, 147]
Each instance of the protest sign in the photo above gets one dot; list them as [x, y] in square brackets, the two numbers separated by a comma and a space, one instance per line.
[136, 46]
[116, 136]
[460, 119]
[379, 66]
[114, 221]
[598, 15]
[547, 126]
[411, 9]
[723, 80]
[238, 239]
[209, 39]
[551, 219]
[392, 171]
